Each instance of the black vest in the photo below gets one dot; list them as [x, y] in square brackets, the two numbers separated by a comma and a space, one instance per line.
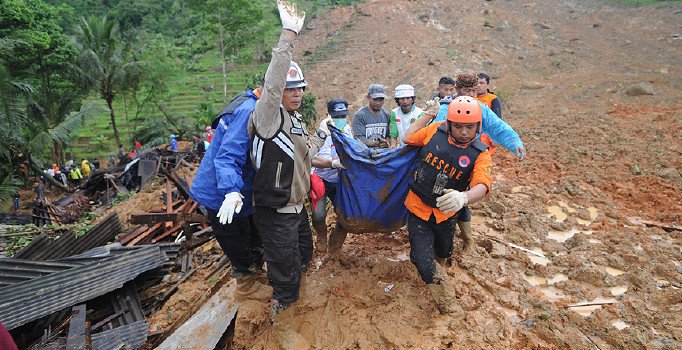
[273, 159]
[439, 156]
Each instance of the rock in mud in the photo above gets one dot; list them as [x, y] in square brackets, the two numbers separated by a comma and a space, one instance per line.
[639, 89]
[532, 85]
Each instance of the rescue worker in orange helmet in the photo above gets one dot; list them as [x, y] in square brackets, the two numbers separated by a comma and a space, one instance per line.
[454, 170]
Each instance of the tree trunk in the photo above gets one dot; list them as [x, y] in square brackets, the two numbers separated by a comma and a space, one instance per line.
[222, 59]
[113, 123]
[50, 179]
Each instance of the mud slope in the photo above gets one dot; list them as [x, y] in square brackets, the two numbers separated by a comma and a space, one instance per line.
[599, 161]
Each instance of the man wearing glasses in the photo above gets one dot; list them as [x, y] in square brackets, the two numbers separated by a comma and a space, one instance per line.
[371, 123]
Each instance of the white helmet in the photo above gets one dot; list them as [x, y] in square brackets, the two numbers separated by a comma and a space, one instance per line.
[295, 77]
[404, 91]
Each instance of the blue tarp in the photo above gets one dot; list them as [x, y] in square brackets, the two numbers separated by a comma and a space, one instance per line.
[373, 186]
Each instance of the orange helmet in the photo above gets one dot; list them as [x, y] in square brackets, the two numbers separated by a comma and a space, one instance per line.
[464, 109]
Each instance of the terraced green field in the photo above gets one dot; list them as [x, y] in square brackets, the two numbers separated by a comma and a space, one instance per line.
[96, 138]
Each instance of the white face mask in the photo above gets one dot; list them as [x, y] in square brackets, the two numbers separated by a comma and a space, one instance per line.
[339, 123]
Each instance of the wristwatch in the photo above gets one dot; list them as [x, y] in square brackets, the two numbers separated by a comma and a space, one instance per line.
[321, 134]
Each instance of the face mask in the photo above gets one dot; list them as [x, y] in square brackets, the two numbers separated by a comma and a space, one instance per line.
[339, 123]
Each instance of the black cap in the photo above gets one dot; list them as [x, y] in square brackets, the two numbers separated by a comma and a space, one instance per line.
[337, 107]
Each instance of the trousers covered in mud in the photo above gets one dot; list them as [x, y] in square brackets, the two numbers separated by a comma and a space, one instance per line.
[429, 240]
[240, 241]
[288, 249]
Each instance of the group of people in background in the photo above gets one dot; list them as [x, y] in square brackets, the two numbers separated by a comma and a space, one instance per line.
[256, 173]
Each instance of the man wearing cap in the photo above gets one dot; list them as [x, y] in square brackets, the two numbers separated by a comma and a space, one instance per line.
[326, 165]
[406, 113]
[371, 123]
[281, 152]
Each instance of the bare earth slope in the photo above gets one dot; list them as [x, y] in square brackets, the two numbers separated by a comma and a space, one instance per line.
[599, 160]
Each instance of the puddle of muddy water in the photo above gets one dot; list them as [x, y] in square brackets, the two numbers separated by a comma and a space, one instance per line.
[538, 260]
[560, 277]
[614, 272]
[593, 213]
[593, 241]
[585, 310]
[583, 222]
[557, 213]
[562, 236]
[588, 308]
[552, 294]
[568, 208]
[534, 280]
[618, 290]
[619, 324]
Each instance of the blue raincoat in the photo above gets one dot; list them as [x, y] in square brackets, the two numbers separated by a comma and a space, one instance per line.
[493, 126]
[226, 166]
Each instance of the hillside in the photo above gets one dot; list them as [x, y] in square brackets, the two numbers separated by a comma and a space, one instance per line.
[600, 162]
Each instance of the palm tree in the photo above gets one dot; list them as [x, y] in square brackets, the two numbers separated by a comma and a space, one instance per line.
[103, 64]
[13, 99]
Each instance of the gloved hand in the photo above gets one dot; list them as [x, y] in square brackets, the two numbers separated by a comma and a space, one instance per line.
[451, 201]
[521, 152]
[231, 205]
[432, 107]
[291, 19]
[336, 164]
[323, 125]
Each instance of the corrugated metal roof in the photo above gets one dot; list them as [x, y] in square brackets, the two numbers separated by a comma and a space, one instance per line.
[44, 248]
[133, 335]
[29, 300]
[13, 271]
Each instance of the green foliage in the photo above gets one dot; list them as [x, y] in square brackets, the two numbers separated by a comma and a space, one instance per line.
[104, 66]
[121, 197]
[307, 109]
[17, 243]
[504, 94]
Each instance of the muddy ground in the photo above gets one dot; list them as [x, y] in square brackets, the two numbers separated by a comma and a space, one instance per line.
[597, 158]
[598, 161]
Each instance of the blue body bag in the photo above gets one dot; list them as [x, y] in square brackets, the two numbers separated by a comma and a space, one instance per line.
[371, 191]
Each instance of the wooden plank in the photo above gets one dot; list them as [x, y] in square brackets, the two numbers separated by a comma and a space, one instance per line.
[133, 235]
[173, 230]
[211, 321]
[76, 340]
[139, 238]
[169, 201]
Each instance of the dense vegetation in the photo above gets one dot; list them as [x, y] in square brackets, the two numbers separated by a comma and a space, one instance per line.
[80, 77]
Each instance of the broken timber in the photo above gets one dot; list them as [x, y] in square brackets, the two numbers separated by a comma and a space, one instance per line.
[211, 322]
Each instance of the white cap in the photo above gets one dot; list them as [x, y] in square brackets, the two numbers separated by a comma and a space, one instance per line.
[295, 76]
[404, 91]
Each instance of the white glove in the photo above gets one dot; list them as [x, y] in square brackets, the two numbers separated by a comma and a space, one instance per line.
[291, 19]
[336, 164]
[231, 205]
[323, 125]
[432, 107]
[451, 201]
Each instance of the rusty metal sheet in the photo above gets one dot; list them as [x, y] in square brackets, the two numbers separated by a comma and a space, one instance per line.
[29, 300]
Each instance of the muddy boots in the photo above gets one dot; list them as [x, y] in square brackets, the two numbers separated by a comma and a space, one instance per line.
[443, 293]
[467, 240]
[336, 240]
[320, 237]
